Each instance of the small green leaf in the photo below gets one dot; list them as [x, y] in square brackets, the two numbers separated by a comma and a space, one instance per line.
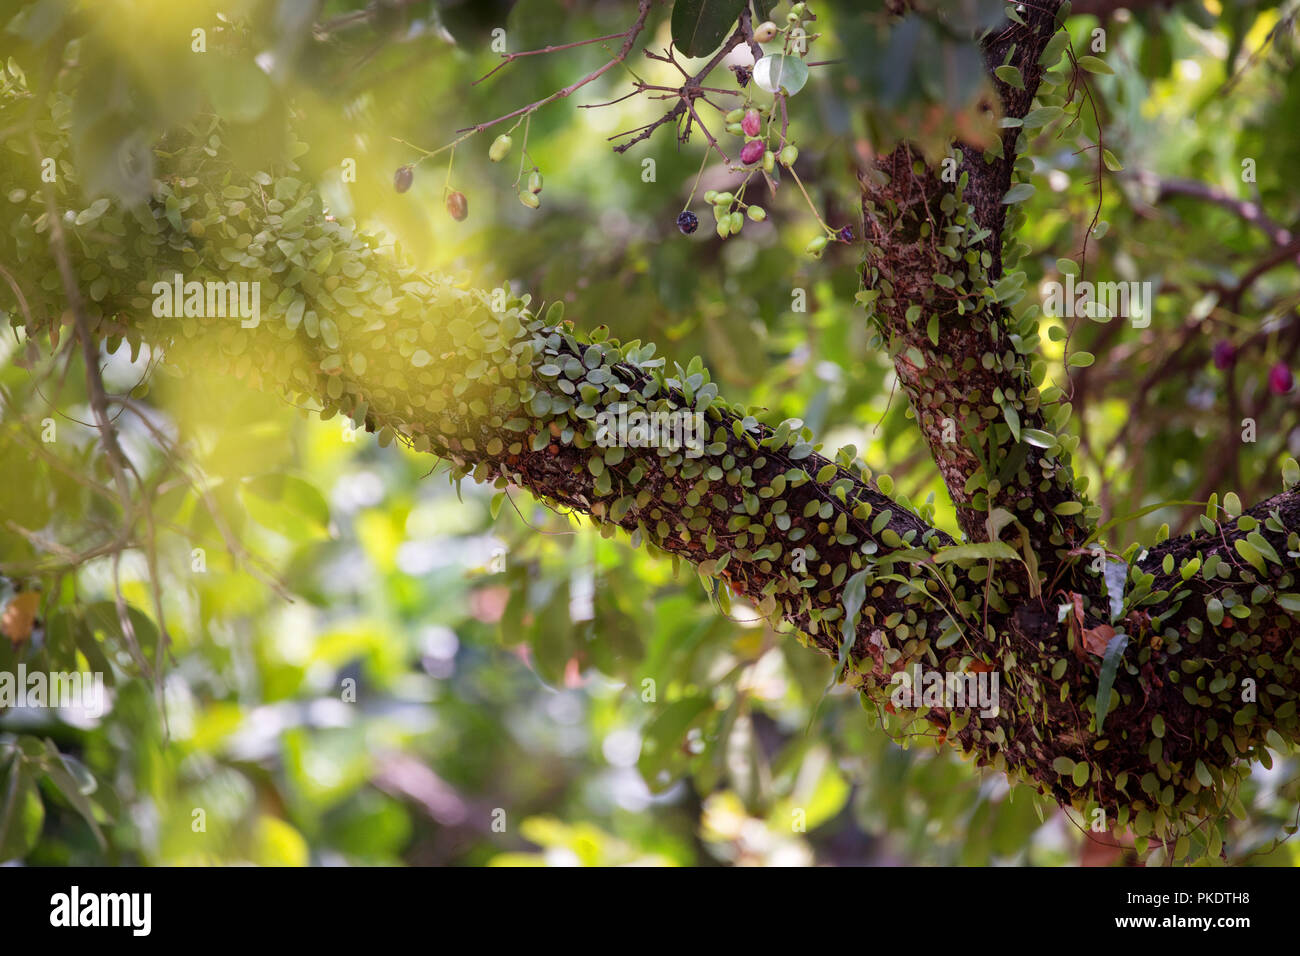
[1018, 193]
[1109, 667]
[1095, 65]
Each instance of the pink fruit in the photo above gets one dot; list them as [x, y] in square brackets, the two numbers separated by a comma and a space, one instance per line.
[1280, 379]
[751, 123]
[752, 152]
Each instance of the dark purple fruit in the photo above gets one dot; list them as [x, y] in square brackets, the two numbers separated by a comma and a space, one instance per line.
[1224, 354]
[687, 222]
[845, 234]
[403, 178]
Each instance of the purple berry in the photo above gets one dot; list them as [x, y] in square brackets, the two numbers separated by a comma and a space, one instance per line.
[687, 222]
[845, 234]
[752, 123]
[1224, 354]
[752, 152]
[403, 178]
[1280, 379]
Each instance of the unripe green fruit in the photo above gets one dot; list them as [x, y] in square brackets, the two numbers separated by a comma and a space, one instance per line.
[737, 221]
[529, 199]
[815, 247]
[735, 116]
[534, 182]
[720, 213]
[500, 148]
[788, 155]
[711, 196]
[756, 213]
[724, 227]
[724, 199]
[792, 17]
[769, 161]
[735, 129]
[765, 31]
[799, 9]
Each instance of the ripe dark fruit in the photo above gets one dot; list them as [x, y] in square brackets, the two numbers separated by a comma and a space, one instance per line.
[1224, 354]
[457, 206]
[403, 178]
[687, 222]
[1280, 379]
[752, 152]
[845, 234]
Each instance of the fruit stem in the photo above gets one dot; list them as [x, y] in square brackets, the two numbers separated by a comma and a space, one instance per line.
[698, 176]
[798, 182]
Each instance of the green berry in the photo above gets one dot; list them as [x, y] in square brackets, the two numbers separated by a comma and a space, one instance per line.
[735, 116]
[500, 148]
[765, 31]
[737, 222]
[788, 155]
[724, 227]
[711, 196]
[724, 199]
[815, 247]
[735, 129]
[769, 161]
[756, 213]
[534, 182]
[529, 199]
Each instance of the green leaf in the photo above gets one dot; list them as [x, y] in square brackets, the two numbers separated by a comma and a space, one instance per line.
[1081, 359]
[1010, 75]
[700, 26]
[663, 737]
[72, 791]
[1018, 193]
[990, 550]
[1112, 163]
[1251, 554]
[1214, 611]
[1109, 667]
[21, 812]
[855, 592]
[1095, 65]
[1290, 473]
[1289, 602]
[1013, 421]
[780, 72]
